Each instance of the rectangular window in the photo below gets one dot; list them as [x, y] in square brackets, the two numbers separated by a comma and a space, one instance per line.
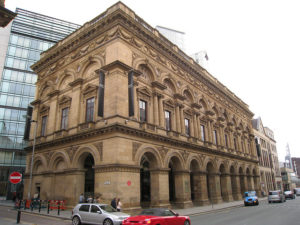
[226, 141]
[89, 109]
[215, 137]
[44, 124]
[143, 111]
[187, 126]
[64, 118]
[234, 142]
[168, 120]
[202, 132]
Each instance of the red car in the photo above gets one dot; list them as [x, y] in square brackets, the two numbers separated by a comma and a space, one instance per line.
[156, 216]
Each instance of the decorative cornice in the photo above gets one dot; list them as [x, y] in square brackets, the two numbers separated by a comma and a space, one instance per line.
[158, 85]
[179, 96]
[116, 168]
[76, 82]
[116, 127]
[136, 26]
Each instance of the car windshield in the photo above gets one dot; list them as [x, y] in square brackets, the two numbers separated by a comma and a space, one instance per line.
[273, 193]
[157, 212]
[250, 194]
[288, 192]
[107, 208]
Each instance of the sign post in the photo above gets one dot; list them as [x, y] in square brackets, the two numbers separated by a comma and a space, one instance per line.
[15, 177]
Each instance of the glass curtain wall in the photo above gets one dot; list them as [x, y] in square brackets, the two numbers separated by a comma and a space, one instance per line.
[31, 33]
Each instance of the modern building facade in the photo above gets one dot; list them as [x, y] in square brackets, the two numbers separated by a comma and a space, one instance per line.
[22, 42]
[123, 112]
[270, 174]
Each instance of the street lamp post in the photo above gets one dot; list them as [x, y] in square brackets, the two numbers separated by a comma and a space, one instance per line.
[32, 157]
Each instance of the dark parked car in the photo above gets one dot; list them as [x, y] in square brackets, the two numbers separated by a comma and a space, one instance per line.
[156, 216]
[289, 195]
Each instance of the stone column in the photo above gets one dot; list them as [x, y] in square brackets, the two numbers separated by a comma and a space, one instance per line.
[161, 112]
[197, 127]
[201, 195]
[182, 121]
[226, 187]
[177, 114]
[236, 188]
[183, 189]
[155, 109]
[159, 187]
[214, 187]
[195, 123]
[257, 187]
[209, 132]
[243, 183]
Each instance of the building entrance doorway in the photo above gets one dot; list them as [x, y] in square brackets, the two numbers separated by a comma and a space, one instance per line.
[145, 181]
[89, 181]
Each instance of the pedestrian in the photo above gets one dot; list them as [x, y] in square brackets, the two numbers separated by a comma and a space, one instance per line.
[90, 199]
[114, 203]
[81, 198]
[119, 205]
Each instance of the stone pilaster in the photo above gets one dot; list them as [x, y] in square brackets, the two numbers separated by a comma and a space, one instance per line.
[159, 188]
[214, 187]
[155, 109]
[226, 187]
[161, 112]
[183, 189]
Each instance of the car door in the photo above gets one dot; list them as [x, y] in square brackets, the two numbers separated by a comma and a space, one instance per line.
[84, 213]
[96, 215]
[170, 218]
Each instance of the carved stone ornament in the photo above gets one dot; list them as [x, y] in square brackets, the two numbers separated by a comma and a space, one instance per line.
[163, 152]
[135, 147]
[99, 146]
[71, 151]
[185, 155]
[48, 156]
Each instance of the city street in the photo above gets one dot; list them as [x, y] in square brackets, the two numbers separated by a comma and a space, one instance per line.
[8, 216]
[287, 213]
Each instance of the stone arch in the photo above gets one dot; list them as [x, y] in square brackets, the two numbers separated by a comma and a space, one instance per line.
[91, 65]
[82, 153]
[64, 81]
[39, 164]
[56, 158]
[46, 88]
[203, 102]
[179, 160]
[188, 95]
[154, 155]
[170, 84]
[147, 72]
[213, 163]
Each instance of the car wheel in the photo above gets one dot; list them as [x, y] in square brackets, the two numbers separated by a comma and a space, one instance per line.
[76, 220]
[186, 222]
[270, 202]
[107, 222]
[245, 204]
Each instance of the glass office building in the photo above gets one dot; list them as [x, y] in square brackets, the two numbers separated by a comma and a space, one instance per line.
[30, 34]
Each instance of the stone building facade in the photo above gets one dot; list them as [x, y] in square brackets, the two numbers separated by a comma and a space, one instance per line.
[270, 175]
[123, 112]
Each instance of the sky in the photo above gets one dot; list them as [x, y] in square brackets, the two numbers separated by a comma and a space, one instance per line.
[253, 48]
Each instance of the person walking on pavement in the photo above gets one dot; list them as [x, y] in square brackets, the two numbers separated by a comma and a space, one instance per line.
[81, 198]
[114, 203]
[119, 205]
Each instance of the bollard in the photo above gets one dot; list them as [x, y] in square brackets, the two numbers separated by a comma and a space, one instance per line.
[25, 204]
[40, 206]
[31, 205]
[58, 208]
[19, 212]
[48, 206]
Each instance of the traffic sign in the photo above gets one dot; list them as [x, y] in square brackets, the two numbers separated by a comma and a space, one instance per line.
[15, 177]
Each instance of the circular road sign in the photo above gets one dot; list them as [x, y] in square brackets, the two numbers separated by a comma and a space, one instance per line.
[15, 177]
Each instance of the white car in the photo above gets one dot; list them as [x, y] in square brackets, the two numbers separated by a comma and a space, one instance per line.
[276, 196]
[94, 213]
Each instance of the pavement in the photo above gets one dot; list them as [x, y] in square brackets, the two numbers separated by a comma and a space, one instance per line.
[66, 214]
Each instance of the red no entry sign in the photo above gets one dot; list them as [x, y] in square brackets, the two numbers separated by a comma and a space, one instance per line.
[15, 177]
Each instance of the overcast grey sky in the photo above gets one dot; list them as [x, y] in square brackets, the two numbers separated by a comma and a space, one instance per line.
[253, 47]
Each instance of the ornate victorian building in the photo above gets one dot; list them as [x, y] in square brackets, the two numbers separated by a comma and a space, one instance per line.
[123, 112]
